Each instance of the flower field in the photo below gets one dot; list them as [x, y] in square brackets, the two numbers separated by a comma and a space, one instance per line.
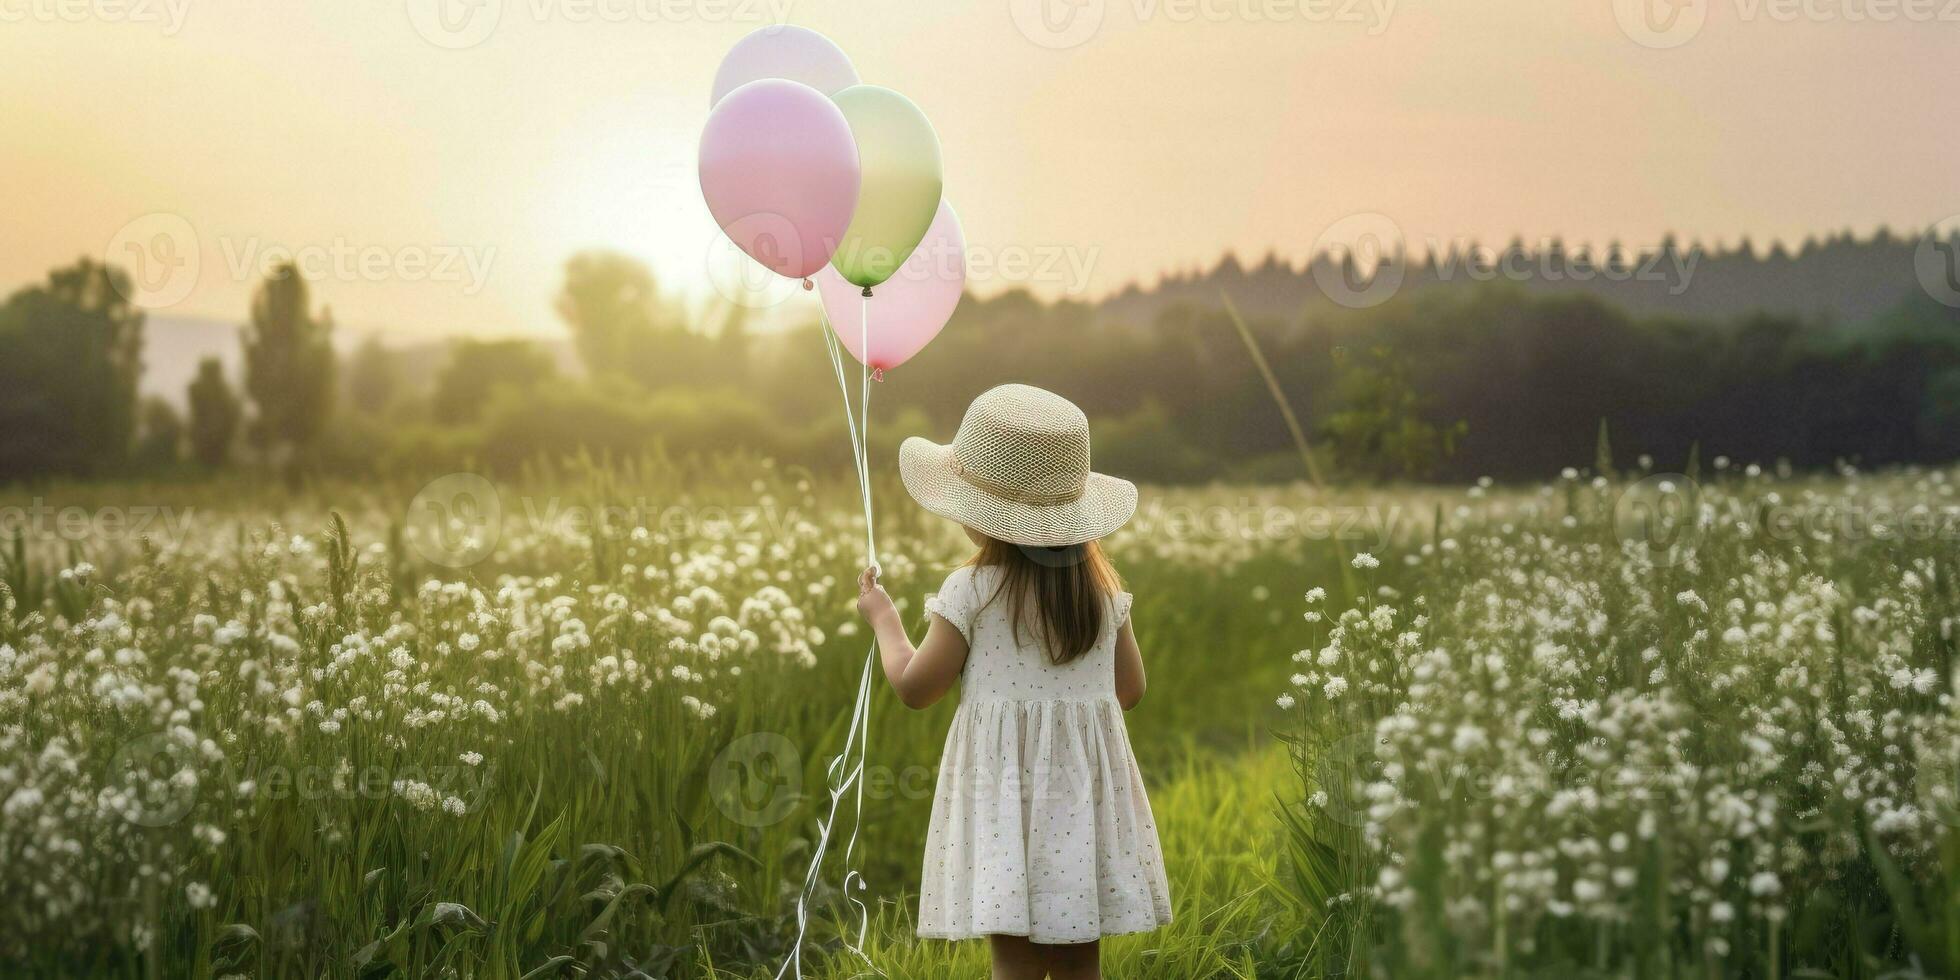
[277, 736]
[1660, 729]
[1616, 726]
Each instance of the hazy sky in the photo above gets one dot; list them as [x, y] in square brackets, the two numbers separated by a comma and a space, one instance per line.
[438, 172]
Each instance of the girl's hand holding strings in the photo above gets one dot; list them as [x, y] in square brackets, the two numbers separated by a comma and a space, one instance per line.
[873, 603]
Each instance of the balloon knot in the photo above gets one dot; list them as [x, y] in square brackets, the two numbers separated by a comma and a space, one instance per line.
[808, 285]
[877, 374]
[867, 291]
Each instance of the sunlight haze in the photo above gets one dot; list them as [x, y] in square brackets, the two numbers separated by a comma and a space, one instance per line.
[443, 187]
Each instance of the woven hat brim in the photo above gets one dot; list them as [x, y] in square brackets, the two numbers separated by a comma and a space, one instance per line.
[1107, 503]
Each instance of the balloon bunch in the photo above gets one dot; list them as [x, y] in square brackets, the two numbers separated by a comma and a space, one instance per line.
[822, 178]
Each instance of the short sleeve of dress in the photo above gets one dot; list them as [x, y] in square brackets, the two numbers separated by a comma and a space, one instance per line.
[954, 602]
[1120, 608]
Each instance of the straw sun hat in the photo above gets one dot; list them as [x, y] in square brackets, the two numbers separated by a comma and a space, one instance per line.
[1018, 471]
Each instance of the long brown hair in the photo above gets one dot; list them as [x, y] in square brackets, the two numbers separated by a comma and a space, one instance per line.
[1070, 586]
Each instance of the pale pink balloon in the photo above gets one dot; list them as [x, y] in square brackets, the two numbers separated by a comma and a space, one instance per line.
[779, 168]
[908, 310]
[784, 51]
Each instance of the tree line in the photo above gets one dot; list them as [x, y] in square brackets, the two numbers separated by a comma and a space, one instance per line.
[71, 360]
[1841, 277]
[1445, 382]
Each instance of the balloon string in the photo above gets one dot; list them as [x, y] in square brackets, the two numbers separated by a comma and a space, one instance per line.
[864, 419]
[871, 560]
[850, 416]
[845, 773]
[858, 438]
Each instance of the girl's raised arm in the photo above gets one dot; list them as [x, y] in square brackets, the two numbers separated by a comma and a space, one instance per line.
[920, 675]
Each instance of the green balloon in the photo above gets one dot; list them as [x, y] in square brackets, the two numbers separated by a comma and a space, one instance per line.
[898, 194]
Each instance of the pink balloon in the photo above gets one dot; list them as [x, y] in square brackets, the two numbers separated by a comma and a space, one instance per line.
[786, 51]
[910, 308]
[779, 168]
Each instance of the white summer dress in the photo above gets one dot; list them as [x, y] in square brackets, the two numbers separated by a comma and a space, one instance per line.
[1040, 826]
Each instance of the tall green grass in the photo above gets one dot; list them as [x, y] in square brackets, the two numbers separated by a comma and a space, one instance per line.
[284, 742]
[1640, 727]
[1220, 848]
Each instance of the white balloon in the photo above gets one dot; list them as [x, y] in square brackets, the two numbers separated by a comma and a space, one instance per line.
[796, 53]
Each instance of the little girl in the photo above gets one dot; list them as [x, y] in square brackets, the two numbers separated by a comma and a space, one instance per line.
[1041, 836]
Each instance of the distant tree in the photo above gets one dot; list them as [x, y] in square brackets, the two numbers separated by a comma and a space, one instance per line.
[70, 357]
[160, 436]
[373, 375]
[610, 303]
[1379, 430]
[289, 365]
[1939, 414]
[622, 329]
[732, 342]
[477, 369]
[215, 412]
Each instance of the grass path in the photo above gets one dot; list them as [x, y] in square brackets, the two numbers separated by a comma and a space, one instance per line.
[1215, 818]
